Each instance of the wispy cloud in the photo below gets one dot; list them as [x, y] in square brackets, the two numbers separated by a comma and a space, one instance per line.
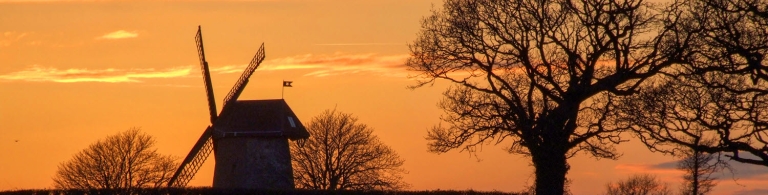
[111, 75]
[740, 170]
[645, 168]
[266, 66]
[312, 65]
[120, 34]
[9, 37]
[338, 64]
[752, 192]
[43, 1]
[358, 44]
[330, 65]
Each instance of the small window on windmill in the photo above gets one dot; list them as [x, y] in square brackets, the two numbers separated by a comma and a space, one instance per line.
[290, 120]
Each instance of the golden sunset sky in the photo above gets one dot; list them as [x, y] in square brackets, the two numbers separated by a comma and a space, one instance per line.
[73, 72]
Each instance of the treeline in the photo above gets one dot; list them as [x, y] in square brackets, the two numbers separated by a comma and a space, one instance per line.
[209, 190]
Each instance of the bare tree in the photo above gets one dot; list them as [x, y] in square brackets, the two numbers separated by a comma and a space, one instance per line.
[343, 154]
[541, 74]
[699, 167]
[642, 184]
[720, 90]
[732, 58]
[122, 161]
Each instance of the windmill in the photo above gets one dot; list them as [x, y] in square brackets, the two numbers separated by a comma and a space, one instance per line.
[249, 138]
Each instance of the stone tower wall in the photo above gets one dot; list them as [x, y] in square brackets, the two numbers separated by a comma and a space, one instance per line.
[253, 163]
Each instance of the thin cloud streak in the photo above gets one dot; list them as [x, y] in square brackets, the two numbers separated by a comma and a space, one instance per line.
[313, 65]
[740, 170]
[265, 67]
[752, 192]
[645, 168]
[48, 1]
[39, 1]
[330, 65]
[341, 64]
[9, 37]
[120, 34]
[358, 44]
[48, 74]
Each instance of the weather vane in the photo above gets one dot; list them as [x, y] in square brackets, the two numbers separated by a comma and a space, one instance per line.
[285, 84]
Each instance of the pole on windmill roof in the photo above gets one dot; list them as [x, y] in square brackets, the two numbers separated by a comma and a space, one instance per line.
[285, 84]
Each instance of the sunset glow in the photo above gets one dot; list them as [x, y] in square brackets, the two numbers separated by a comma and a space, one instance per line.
[75, 71]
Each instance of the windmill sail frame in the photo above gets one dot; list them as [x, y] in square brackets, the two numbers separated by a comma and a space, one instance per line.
[206, 75]
[205, 144]
[239, 86]
[194, 160]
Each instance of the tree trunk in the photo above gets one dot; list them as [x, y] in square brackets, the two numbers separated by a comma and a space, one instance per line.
[695, 172]
[551, 167]
[334, 183]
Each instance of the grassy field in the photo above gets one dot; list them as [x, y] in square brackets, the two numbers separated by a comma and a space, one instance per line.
[208, 190]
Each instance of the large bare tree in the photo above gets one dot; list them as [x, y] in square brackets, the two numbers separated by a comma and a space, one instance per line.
[122, 161]
[343, 154]
[541, 74]
[719, 93]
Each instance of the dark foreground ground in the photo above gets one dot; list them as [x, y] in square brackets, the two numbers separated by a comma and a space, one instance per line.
[195, 191]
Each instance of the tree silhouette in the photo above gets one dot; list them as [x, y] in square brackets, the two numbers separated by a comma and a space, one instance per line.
[543, 75]
[122, 161]
[343, 154]
[699, 167]
[719, 91]
[642, 184]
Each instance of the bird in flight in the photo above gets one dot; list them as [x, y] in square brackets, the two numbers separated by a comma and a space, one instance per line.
[16, 140]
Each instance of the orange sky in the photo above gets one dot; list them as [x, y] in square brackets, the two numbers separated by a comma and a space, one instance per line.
[76, 71]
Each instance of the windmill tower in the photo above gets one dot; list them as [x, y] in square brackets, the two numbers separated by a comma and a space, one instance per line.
[249, 138]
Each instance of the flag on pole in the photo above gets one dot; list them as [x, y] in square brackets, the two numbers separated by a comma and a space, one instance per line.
[285, 84]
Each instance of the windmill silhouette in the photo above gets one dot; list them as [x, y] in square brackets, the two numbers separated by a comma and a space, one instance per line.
[249, 138]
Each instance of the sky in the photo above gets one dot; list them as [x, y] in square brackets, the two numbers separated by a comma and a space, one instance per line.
[73, 72]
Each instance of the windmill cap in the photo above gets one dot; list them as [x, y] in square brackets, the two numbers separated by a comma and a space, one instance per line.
[259, 118]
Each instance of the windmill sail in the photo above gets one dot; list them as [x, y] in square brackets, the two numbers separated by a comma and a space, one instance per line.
[194, 160]
[204, 145]
[234, 93]
[206, 75]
